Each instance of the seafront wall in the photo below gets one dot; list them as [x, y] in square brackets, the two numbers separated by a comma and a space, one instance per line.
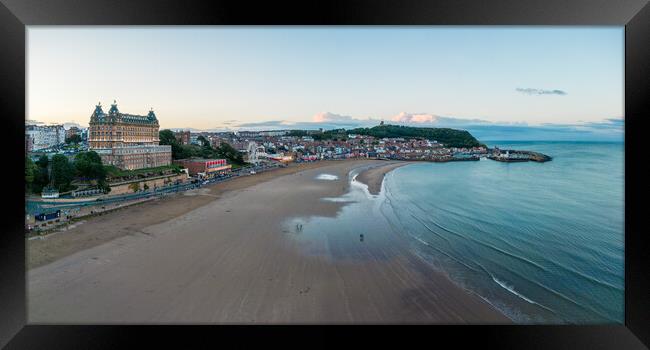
[123, 187]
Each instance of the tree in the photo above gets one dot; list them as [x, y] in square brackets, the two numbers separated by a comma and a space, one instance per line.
[104, 186]
[89, 165]
[205, 150]
[225, 150]
[135, 186]
[179, 151]
[203, 140]
[73, 139]
[43, 161]
[185, 151]
[41, 176]
[167, 137]
[449, 137]
[31, 170]
[62, 172]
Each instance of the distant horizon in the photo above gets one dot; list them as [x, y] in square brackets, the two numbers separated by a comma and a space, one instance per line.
[482, 133]
[513, 82]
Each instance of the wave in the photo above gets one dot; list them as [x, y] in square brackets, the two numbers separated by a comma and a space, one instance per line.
[422, 241]
[388, 200]
[429, 228]
[499, 282]
[512, 255]
[512, 290]
[575, 250]
[444, 253]
[587, 277]
[473, 219]
[552, 291]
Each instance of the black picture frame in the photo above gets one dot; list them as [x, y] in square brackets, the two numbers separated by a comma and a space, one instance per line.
[16, 14]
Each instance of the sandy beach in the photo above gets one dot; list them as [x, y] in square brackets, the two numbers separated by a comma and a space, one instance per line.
[224, 254]
[374, 176]
[130, 220]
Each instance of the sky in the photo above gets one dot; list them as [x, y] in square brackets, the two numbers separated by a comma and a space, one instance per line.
[552, 82]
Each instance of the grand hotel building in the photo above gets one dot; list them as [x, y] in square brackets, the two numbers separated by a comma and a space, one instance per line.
[127, 141]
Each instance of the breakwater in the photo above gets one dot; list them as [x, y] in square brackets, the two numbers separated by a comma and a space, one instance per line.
[510, 156]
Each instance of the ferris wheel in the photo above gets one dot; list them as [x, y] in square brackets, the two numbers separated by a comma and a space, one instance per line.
[255, 152]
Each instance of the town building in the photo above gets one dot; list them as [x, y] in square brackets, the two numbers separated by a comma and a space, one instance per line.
[43, 136]
[273, 133]
[216, 141]
[28, 143]
[204, 167]
[183, 137]
[72, 131]
[84, 135]
[127, 141]
[136, 157]
[117, 129]
[248, 134]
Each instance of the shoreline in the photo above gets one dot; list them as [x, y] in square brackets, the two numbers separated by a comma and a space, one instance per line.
[373, 177]
[225, 255]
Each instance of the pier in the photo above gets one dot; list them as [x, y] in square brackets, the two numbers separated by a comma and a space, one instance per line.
[511, 156]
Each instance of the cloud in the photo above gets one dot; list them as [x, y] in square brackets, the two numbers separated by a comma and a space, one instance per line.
[531, 91]
[418, 118]
[329, 120]
[68, 125]
[609, 124]
[401, 118]
[611, 129]
[330, 117]
[263, 124]
[326, 121]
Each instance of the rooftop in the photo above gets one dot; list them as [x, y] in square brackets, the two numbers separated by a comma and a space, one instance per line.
[199, 159]
[115, 116]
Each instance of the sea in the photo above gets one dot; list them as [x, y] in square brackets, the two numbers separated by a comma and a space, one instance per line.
[541, 242]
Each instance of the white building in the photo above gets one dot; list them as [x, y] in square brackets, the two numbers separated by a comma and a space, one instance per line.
[247, 134]
[274, 133]
[45, 136]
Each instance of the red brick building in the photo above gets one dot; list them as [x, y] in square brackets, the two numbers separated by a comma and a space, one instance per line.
[208, 167]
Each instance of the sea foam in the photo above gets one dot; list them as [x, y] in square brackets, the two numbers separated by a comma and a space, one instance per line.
[327, 177]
